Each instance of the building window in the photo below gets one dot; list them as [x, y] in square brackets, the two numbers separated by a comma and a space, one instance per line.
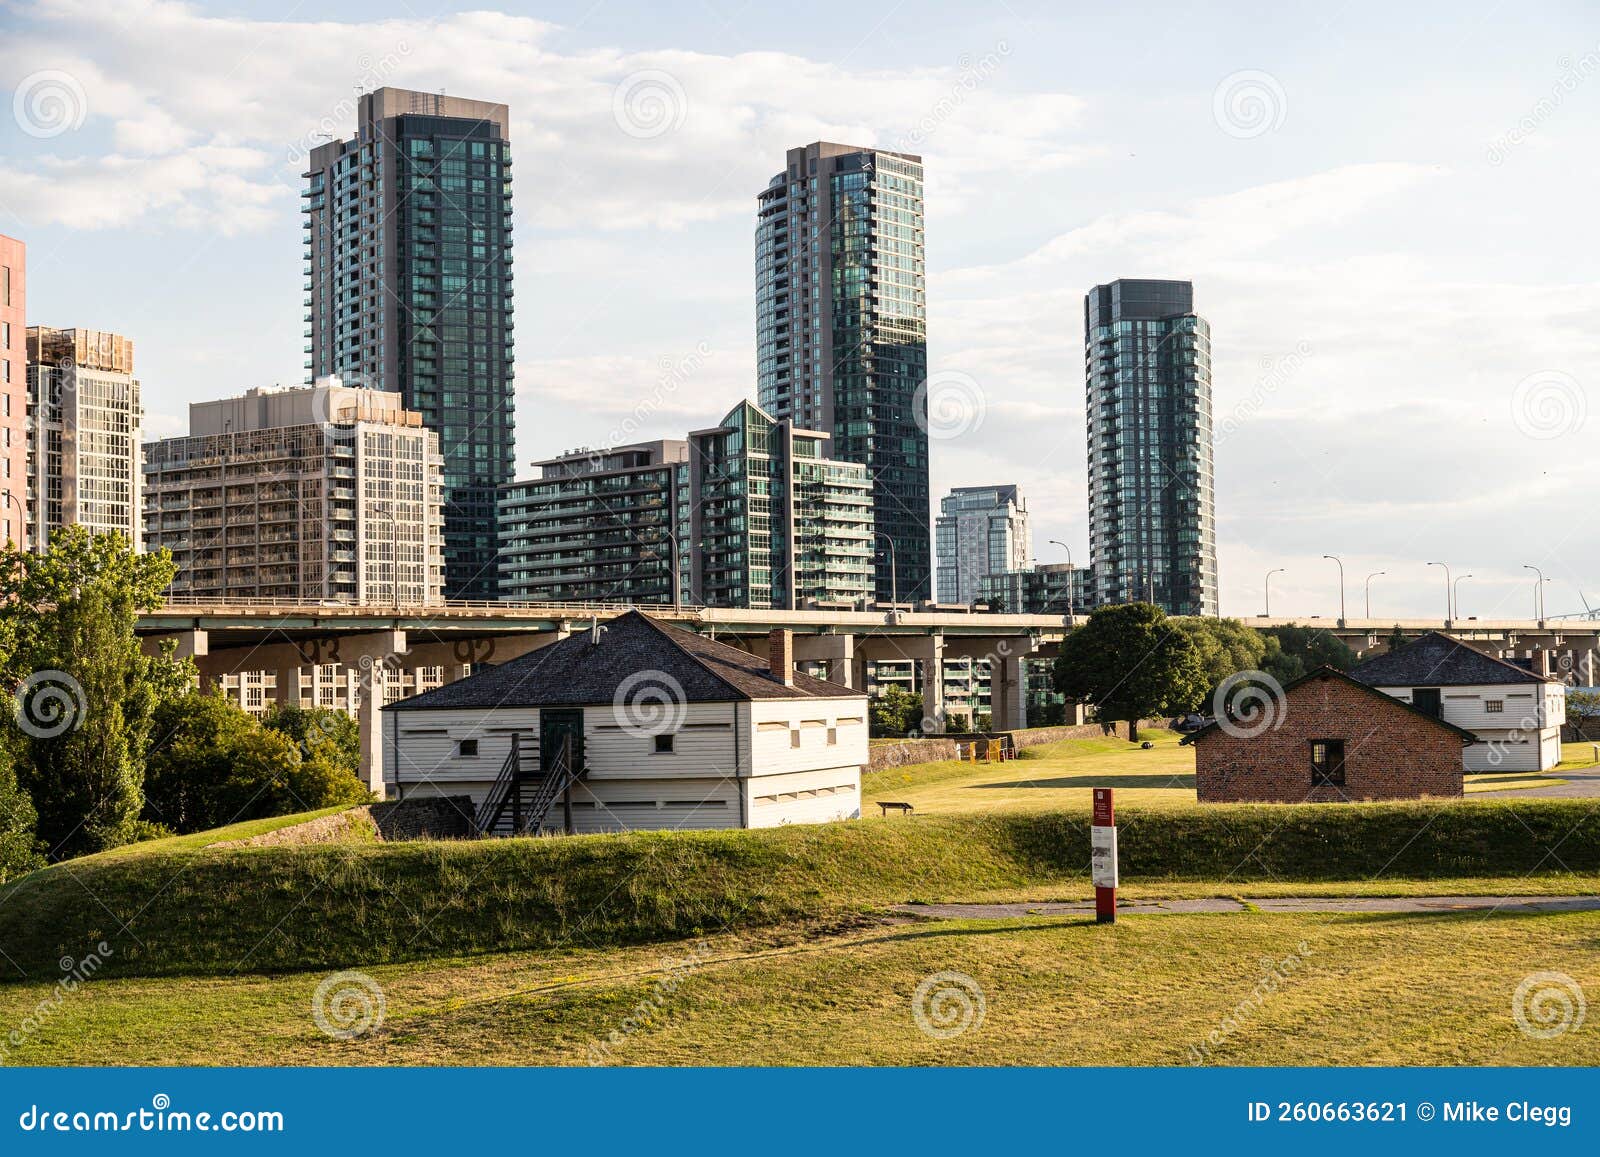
[466, 748]
[1327, 762]
[1494, 706]
[664, 744]
[794, 738]
[833, 737]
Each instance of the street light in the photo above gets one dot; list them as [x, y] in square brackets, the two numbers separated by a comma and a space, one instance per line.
[1449, 607]
[894, 577]
[1370, 577]
[1266, 591]
[1538, 590]
[1457, 589]
[1068, 549]
[22, 515]
[1337, 559]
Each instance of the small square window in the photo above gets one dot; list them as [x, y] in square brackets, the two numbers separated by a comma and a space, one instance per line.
[1327, 762]
[794, 738]
[664, 744]
[467, 747]
[1494, 706]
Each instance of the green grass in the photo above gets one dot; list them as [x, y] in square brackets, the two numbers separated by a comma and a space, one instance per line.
[273, 909]
[1358, 989]
[197, 840]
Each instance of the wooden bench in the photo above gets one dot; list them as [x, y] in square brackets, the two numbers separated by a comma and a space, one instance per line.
[885, 805]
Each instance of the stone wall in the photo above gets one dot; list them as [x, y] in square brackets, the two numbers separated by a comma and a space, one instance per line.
[907, 751]
[444, 817]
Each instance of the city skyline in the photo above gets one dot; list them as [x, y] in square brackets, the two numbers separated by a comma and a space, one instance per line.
[1366, 358]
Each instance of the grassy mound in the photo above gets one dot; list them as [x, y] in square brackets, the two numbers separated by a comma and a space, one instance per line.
[275, 909]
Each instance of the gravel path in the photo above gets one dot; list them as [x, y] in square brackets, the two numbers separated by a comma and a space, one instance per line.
[1519, 904]
[1580, 785]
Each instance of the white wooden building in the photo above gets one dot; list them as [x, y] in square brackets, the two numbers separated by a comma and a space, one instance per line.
[1515, 715]
[664, 728]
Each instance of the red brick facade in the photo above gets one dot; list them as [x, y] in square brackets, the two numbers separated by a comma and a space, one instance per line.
[1390, 751]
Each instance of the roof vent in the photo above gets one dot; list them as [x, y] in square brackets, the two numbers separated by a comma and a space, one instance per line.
[595, 631]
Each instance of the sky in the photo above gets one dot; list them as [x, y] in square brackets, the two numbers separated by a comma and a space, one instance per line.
[1387, 211]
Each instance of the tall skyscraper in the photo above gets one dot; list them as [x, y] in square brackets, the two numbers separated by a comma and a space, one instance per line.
[841, 330]
[981, 530]
[13, 391]
[325, 493]
[408, 288]
[1152, 524]
[85, 454]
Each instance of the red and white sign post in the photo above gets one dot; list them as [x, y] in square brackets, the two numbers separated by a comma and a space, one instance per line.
[1103, 859]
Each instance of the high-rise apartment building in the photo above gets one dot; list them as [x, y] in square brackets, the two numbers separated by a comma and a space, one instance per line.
[1050, 588]
[84, 422]
[13, 391]
[408, 288]
[595, 526]
[323, 493]
[772, 521]
[841, 330]
[981, 530]
[1152, 524]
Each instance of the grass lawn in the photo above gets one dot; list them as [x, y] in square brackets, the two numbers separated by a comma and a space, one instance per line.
[1329, 989]
[1058, 776]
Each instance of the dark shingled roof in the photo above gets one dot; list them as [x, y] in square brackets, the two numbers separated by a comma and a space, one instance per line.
[1461, 733]
[577, 671]
[1437, 660]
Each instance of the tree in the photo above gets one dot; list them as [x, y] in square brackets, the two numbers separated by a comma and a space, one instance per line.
[314, 728]
[1397, 638]
[84, 692]
[1226, 647]
[216, 764]
[1292, 651]
[895, 712]
[19, 841]
[1131, 661]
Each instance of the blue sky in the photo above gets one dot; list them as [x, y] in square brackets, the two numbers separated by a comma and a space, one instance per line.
[1386, 209]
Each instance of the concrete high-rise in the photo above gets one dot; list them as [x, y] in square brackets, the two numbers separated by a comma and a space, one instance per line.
[841, 330]
[408, 288]
[981, 530]
[13, 391]
[84, 457]
[323, 494]
[1152, 523]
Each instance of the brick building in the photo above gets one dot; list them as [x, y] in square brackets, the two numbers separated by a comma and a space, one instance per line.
[1331, 738]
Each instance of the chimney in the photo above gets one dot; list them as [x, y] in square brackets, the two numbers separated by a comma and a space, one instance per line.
[780, 656]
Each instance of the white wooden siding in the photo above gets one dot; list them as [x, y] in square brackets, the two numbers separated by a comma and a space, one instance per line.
[1523, 735]
[804, 797]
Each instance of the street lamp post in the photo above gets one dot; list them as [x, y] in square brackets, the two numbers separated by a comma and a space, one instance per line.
[1370, 577]
[1456, 586]
[1068, 549]
[22, 515]
[1449, 606]
[1538, 590]
[1340, 561]
[1266, 591]
[894, 576]
[677, 590]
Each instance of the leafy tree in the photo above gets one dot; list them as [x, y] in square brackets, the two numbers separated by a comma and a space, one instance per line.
[895, 712]
[1302, 649]
[216, 764]
[84, 692]
[19, 843]
[1583, 704]
[957, 722]
[315, 728]
[1130, 661]
[1397, 638]
[1226, 647]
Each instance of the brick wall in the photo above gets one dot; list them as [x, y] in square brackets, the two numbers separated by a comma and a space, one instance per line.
[909, 751]
[1391, 752]
[445, 817]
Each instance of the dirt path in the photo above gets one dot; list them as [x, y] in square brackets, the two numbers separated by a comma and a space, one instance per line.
[1517, 904]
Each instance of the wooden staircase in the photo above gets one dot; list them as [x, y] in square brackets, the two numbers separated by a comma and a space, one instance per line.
[522, 794]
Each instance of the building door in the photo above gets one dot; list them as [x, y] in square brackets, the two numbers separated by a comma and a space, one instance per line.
[555, 728]
[1426, 700]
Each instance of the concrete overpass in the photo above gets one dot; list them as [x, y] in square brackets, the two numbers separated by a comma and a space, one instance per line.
[229, 637]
